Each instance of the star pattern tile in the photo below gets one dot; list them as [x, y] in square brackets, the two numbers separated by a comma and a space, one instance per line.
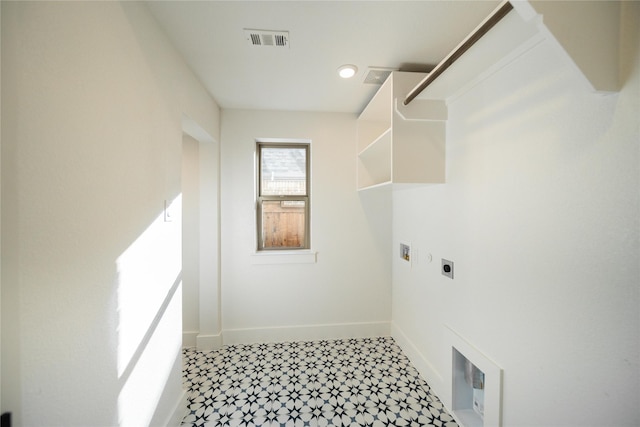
[349, 382]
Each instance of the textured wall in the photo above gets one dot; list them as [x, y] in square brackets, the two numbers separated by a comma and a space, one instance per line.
[540, 215]
[92, 132]
[191, 239]
[350, 283]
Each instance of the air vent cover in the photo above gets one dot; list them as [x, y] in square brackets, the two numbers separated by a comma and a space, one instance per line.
[377, 76]
[267, 38]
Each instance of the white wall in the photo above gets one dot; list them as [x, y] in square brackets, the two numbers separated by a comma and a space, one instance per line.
[92, 139]
[190, 240]
[347, 291]
[1, 216]
[540, 214]
[209, 299]
[201, 196]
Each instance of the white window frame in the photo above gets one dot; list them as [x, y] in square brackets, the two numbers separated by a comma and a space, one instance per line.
[285, 254]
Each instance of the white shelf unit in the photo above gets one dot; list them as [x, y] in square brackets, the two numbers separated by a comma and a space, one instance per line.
[393, 149]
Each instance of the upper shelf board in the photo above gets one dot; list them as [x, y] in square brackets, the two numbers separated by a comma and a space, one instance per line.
[584, 32]
[506, 40]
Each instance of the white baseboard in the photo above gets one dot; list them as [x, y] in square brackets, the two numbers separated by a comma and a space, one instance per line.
[422, 364]
[209, 342]
[180, 410]
[201, 342]
[306, 333]
[189, 338]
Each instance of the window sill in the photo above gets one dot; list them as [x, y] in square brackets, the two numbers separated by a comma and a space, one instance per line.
[284, 257]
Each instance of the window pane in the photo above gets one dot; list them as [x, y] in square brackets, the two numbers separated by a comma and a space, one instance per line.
[283, 171]
[283, 224]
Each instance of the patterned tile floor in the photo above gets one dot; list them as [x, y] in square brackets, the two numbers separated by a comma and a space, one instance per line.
[350, 382]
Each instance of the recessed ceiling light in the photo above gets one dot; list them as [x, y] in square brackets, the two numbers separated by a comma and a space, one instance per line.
[347, 71]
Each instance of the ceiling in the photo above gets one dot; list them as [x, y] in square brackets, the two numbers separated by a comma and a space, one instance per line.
[323, 35]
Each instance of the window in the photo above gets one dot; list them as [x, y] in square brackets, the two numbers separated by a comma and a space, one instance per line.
[283, 195]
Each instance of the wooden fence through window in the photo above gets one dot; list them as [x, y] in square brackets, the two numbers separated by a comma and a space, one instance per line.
[283, 224]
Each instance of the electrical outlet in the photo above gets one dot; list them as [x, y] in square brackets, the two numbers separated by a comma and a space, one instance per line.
[405, 252]
[447, 268]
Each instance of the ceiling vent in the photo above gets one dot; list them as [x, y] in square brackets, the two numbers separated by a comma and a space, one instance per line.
[266, 38]
[377, 76]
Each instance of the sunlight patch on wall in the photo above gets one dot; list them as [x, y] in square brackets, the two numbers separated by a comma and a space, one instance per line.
[149, 315]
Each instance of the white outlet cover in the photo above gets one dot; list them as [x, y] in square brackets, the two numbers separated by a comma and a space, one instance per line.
[405, 252]
[447, 263]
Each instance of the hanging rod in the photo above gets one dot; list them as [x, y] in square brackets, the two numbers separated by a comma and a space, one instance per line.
[483, 29]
